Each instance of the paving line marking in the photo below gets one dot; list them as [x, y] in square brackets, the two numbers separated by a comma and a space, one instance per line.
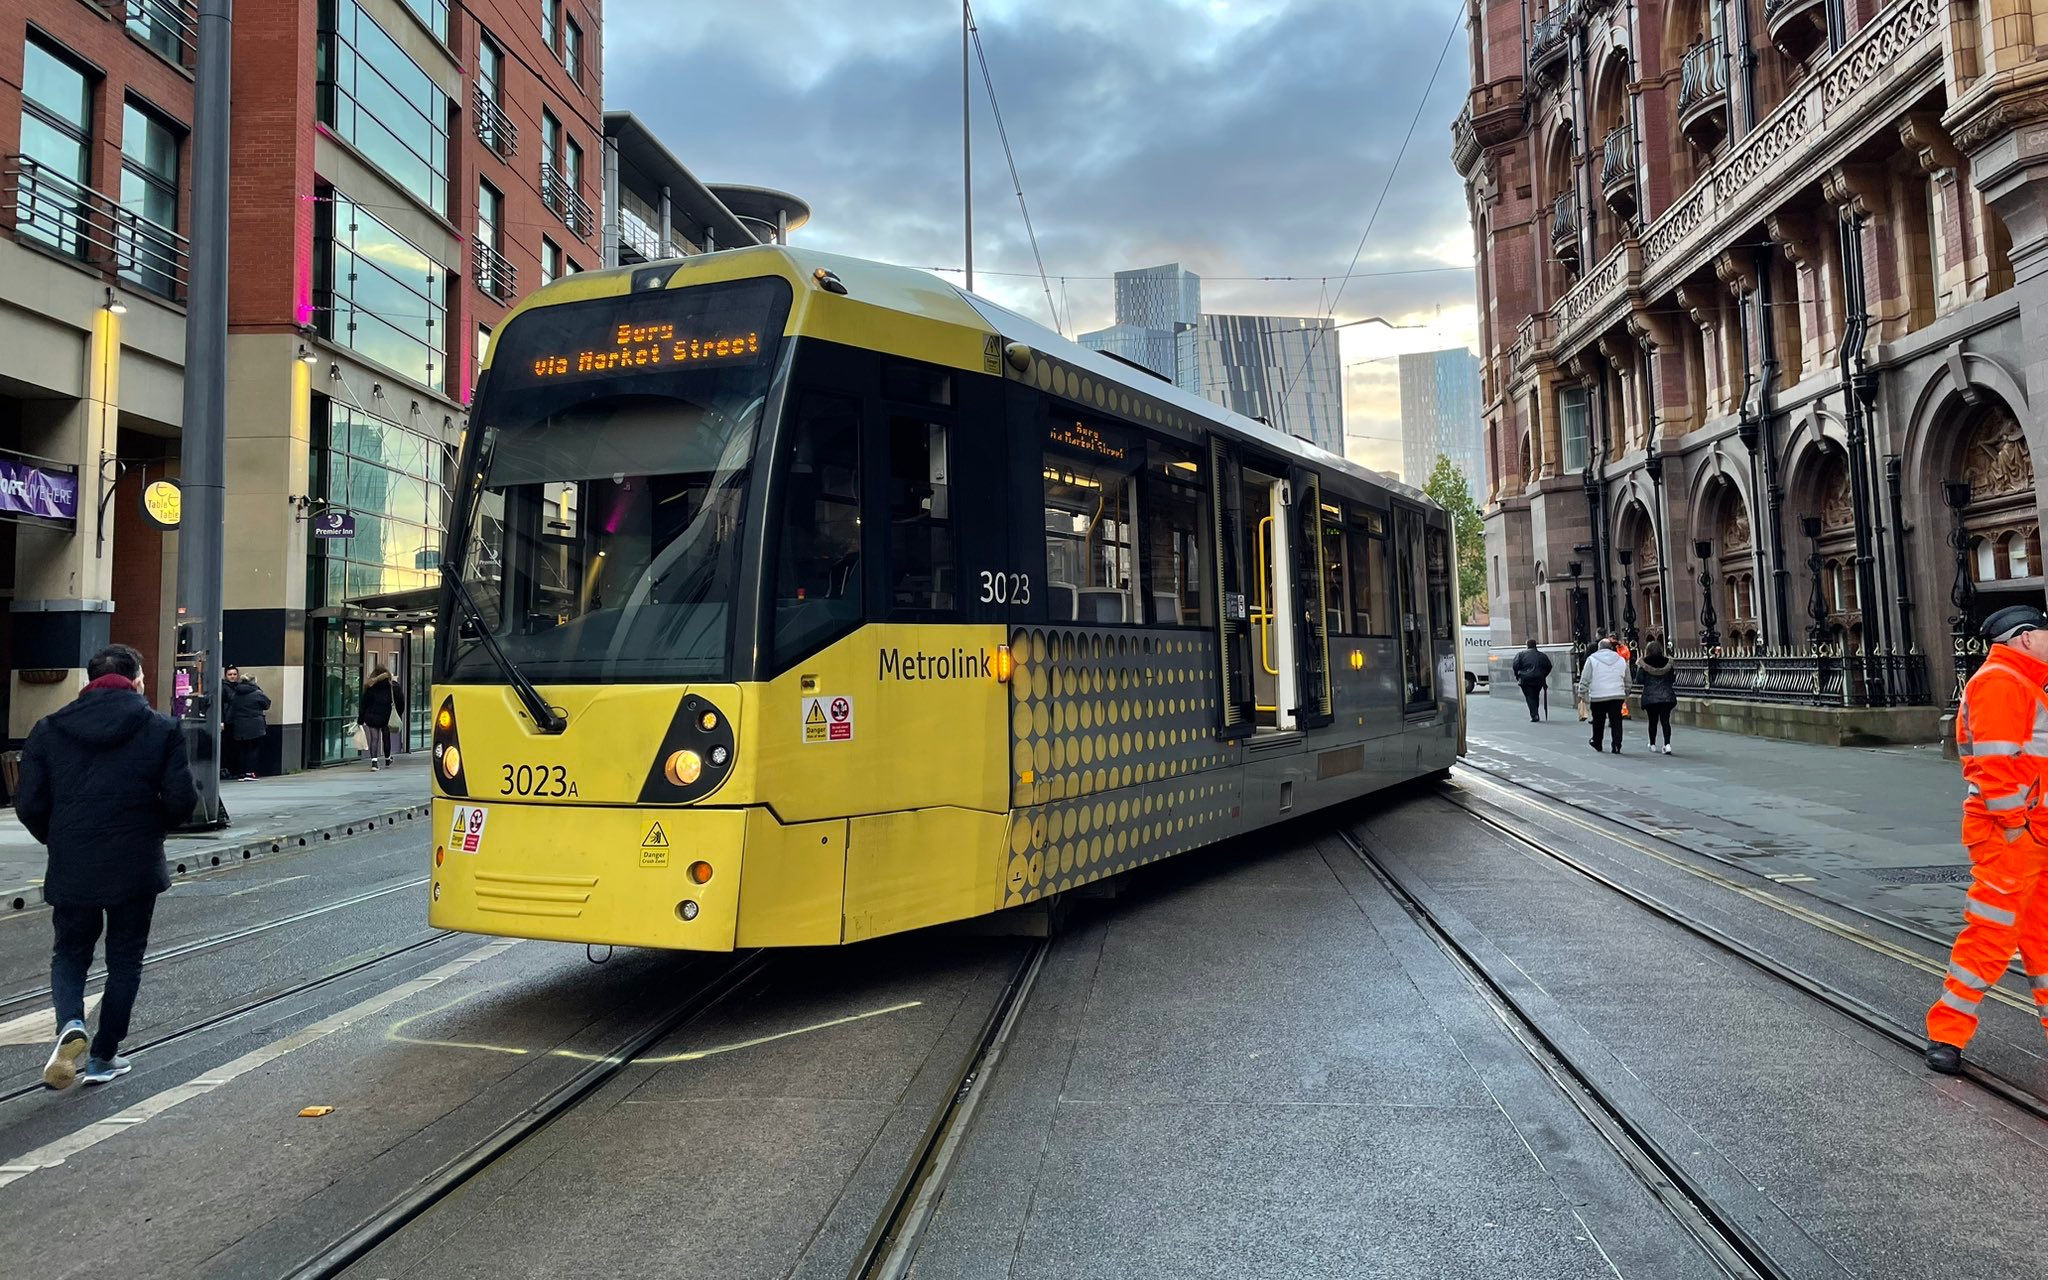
[1911, 959]
[55, 1153]
[268, 884]
[40, 1026]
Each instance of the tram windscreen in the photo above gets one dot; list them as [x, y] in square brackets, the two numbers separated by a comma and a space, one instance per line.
[608, 496]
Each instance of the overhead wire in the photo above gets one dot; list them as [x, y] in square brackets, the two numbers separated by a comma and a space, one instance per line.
[1458, 20]
[996, 109]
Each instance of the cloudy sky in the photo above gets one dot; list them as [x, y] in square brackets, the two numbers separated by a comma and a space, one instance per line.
[1242, 138]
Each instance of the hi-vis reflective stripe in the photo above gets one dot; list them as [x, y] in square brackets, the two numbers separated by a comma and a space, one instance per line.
[1959, 1003]
[2005, 804]
[1990, 749]
[1996, 915]
[2038, 981]
[1968, 979]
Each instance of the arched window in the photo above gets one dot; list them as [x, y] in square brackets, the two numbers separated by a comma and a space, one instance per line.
[1833, 571]
[1986, 557]
[2016, 565]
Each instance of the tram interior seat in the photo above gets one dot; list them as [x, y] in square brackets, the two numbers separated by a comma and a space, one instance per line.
[1104, 604]
[1062, 602]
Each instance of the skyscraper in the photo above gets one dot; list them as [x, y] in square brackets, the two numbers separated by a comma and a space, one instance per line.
[1157, 310]
[1284, 369]
[1440, 417]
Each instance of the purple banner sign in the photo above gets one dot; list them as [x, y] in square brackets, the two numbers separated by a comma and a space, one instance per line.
[36, 491]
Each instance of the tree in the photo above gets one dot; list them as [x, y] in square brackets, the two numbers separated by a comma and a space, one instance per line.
[1447, 488]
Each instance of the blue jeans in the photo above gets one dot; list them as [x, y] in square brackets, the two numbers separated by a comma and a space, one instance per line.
[78, 929]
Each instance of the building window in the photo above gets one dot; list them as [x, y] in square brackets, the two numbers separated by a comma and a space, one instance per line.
[434, 13]
[490, 70]
[490, 214]
[494, 275]
[151, 254]
[550, 17]
[483, 346]
[493, 127]
[572, 167]
[378, 294]
[1571, 419]
[550, 261]
[51, 203]
[572, 49]
[379, 101]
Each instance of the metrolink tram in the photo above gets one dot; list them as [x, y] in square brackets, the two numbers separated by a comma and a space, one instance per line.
[795, 600]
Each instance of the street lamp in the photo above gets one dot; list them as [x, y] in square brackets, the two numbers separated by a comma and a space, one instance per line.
[1817, 604]
[1709, 636]
[1628, 599]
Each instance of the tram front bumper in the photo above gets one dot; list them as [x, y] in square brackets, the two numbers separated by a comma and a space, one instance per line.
[574, 873]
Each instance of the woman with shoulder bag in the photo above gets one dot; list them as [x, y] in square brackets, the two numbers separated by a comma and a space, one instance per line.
[381, 713]
[1659, 679]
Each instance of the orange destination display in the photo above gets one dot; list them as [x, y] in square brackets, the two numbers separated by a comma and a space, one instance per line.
[638, 346]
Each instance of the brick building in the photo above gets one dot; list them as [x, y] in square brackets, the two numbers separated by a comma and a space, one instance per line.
[95, 106]
[1761, 304]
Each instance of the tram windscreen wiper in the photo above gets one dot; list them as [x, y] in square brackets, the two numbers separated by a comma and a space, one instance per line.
[545, 717]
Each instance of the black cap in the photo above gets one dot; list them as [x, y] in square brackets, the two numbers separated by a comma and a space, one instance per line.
[2013, 620]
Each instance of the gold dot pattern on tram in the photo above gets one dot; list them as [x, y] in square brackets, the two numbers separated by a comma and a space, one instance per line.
[1113, 734]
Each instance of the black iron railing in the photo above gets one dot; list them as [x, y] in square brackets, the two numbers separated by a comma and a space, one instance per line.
[560, 195]
[45, 207]
[495, 276]
[1618, 158]
[1820, 676]
[1564, 222]
[1547, 36]
[493, 127]
[1705, 75]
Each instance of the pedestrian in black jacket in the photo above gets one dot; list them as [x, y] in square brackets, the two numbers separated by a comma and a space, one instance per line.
[102, 782]
[243, 727]
[1659, 678]
[1532, 672]
[381, 712]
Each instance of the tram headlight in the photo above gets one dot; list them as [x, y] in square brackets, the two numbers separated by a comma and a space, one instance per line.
[451, 761]
[687, 909]
[683, 767]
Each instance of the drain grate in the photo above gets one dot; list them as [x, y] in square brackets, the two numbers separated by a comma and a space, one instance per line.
[1919, 875]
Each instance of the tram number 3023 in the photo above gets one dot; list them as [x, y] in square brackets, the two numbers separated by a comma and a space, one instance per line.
[545, 780]
[1005, 588]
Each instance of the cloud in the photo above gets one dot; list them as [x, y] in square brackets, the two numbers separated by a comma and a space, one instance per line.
[1242, 138]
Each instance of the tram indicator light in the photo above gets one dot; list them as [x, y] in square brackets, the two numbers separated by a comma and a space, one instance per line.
[700, 872]
[1004, 666]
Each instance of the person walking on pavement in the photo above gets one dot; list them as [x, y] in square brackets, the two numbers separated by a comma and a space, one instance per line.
[1659, 679]
[243, 703]
[381, 712]
[2002, 737]
[1532, 672]
[102, 781]
[1604, 685]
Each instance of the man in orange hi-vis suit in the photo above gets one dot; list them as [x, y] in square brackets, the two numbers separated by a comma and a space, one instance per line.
[2002, 737]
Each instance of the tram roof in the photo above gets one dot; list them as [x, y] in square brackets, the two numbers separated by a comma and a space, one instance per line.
[931, 300]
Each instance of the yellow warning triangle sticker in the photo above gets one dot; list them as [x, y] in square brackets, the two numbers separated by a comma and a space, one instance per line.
[816, 715]
[655, 839]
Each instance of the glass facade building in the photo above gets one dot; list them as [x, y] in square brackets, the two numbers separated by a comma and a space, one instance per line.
[379, 101]
[1440, 417]
[1158, 310]
[378, 294]
[1284, 369]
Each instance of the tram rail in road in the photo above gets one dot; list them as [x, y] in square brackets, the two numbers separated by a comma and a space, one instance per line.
[1908, 1037]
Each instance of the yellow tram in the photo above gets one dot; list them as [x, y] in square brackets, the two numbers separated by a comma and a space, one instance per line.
[794, 600]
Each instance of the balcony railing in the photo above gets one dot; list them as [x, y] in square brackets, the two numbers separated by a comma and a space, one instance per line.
[1548, 41]
[171, 27]
[1564, 226]
[1618, 169]
[496, 277]
[493, 127]
[1704, 80]
[1799, 27]
[560, 195]
[44, 207]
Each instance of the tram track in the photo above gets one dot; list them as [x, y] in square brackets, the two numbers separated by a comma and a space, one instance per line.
[402, 1210]
[1911, 1038]
[346, 969]
[1602, 1097]
[23, 1001]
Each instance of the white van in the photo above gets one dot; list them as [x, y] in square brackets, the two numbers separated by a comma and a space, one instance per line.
[1478, 642]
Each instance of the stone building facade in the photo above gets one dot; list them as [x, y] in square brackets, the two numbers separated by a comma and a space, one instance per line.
[1763, 289]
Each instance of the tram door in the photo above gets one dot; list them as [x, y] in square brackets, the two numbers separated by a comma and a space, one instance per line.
[1268, 512]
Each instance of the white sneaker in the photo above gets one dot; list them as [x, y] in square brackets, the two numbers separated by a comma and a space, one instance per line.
[61, 1071]
[1667, 748]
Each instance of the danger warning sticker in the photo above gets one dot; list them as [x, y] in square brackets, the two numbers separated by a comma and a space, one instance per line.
[654, 846]
[828, 718]
[466, 833]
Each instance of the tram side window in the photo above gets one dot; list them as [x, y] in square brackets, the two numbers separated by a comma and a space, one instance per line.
[1176, 509]
[1443, 623]
[817, 577]
[1418, 673]
[923, 575]
[1366, 542]
[1090, 541]
[1336, 576]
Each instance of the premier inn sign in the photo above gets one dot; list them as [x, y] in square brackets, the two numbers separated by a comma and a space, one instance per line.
[45, 492]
